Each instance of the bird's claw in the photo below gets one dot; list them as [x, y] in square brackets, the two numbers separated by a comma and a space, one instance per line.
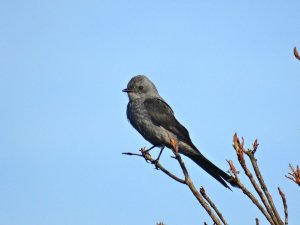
[145, 154]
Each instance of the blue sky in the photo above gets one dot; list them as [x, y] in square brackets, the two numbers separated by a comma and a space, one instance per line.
[224, 67]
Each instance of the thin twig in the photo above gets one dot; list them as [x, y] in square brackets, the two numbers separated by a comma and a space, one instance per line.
[130, 153]
[286, 215]
[210, 202]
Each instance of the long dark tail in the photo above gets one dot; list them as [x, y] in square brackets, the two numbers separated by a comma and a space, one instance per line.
[212, 169]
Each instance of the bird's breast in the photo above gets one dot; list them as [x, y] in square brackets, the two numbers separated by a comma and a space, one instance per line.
[141, 121]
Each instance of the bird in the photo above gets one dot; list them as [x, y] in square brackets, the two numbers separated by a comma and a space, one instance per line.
[155, 120]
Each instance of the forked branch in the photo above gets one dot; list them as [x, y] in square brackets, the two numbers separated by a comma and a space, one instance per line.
[205, 202]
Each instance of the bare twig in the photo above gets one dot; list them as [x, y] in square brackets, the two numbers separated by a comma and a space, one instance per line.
[294, 175]
[286, 215]
[210, 202]
[266, 206]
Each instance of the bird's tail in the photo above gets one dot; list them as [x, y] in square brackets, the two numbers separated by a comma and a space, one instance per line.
[212, 169]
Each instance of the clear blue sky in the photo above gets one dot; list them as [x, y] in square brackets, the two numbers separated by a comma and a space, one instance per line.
[224, 67]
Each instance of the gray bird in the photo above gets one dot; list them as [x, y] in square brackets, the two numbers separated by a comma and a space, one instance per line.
[154, 119]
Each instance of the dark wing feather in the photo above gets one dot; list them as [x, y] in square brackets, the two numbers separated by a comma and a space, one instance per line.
[161, 114]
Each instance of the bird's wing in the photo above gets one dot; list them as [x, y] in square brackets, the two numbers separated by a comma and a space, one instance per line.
[161, 114]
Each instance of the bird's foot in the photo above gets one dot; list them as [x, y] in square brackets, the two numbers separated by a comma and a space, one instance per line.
[145, 154]
[155, 162]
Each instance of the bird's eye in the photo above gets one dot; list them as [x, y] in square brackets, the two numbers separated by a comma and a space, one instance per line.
[141, 87]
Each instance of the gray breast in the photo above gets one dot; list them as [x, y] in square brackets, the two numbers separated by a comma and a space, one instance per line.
[139, 119]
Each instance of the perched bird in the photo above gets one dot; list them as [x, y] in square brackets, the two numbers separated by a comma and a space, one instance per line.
[154, 119]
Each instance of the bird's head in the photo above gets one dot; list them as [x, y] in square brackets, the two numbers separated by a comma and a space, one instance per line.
[140, 87]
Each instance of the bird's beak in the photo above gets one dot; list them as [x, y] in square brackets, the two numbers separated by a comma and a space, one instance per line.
[127, 90]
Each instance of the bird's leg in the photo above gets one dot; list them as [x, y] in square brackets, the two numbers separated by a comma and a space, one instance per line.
[157, 160]
[148, 150]
[161, 150]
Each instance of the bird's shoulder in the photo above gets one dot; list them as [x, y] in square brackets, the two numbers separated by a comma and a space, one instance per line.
[157, 105]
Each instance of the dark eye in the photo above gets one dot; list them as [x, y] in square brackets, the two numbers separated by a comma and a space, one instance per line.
[141, 87]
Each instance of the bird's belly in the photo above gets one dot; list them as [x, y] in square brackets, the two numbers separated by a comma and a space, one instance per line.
[155, 134]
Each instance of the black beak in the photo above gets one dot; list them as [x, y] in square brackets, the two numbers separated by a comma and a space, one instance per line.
[127, 90]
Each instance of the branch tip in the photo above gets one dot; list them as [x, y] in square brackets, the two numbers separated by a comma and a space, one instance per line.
[239, 149]
[296, 54]
[255, 146]
[202, 191]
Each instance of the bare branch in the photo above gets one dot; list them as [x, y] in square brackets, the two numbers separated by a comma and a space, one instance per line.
[187, 180]
[266, 205]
